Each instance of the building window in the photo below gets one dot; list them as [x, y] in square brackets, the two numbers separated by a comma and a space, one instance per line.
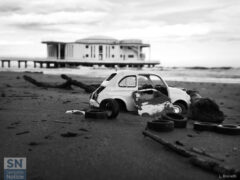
[121, 47]
[112, 47]
[112, 56]
[130, 56]
[91, 51]
[86, 46]
[87, 55]
[129, 47]
[121, 56]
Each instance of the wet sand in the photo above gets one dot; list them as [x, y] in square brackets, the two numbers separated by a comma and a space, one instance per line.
[102, 149]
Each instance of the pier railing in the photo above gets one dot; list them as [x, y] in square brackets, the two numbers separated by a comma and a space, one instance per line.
[52, 63]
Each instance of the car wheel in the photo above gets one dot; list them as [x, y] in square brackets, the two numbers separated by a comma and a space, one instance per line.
[95, 114]
[161, 125]
[229, 129]
[204, 126]
[111, 107]
[180, 108]
[178, 119]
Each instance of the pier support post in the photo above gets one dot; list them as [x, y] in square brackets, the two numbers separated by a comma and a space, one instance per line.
[19, 64]
[8, 62]
[25, 64]
[41, 65]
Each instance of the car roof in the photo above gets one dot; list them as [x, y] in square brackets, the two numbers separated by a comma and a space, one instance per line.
[134, 72]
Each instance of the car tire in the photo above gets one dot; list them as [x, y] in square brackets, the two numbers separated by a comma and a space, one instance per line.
[161, 125]
[181, 107]
[204, 126]
[178, 119]
[111, 107]
[95, 114]
[229, 129]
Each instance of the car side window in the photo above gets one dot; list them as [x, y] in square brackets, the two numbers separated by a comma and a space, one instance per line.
[128, 81]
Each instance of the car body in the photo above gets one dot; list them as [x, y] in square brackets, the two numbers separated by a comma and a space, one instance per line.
[122, 84]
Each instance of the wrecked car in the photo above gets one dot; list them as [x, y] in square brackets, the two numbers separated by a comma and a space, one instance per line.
[124, 87]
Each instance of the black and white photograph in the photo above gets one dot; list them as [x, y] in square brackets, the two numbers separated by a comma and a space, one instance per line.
[119, 90]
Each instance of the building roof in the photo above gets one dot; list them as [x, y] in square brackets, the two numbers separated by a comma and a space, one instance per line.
[97, 39]
[104, 40]
[131, 41]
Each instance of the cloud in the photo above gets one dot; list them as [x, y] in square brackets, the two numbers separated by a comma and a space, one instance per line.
[174, 22]
[36, 21]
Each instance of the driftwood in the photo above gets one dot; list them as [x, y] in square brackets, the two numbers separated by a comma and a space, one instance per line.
[215, 167]
[66, 85]
[201, 152]
[204, 109]
[87, 88]
[208, 165]
[169, 145]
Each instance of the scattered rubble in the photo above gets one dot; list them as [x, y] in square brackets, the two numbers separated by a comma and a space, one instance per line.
[24, 132]
[64, 122]
[83, 129]
[75, 112]
[33, 143]
[69, 134]
[11, 127]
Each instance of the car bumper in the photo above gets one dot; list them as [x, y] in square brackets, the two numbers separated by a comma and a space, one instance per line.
[93, 103]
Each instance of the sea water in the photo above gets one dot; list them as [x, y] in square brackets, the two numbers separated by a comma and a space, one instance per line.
[210, 75]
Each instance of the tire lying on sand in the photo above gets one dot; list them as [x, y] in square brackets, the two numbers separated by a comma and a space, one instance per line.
[161, 125]
[111, 107]
[178, 119]
[204, 126]
[229, 129]
[96, 114]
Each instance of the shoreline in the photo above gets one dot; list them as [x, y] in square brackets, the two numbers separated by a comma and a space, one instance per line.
[180, 75]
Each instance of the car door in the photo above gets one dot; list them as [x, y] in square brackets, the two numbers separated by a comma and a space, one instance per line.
[126, 86]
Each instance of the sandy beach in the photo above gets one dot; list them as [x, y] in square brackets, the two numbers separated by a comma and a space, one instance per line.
[102, 149]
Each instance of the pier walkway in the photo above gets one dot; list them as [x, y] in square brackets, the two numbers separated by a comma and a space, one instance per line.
[51, 63]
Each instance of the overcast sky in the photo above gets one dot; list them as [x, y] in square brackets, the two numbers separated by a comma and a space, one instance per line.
[181, 32]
